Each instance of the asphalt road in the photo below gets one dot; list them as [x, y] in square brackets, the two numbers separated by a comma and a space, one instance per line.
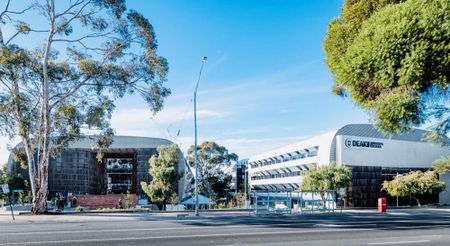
[402, 227]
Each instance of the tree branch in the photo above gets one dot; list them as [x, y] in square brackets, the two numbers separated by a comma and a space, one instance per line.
[12, 37]
[78, 2]
[6, 9]
[78, 13]
[95, 35]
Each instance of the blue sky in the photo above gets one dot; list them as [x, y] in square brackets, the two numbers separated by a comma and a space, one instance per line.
[265, 83]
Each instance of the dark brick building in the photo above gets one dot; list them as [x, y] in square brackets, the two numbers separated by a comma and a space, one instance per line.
[124, 165]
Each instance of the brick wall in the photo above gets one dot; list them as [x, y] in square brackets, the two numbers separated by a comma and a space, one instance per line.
[102, 201]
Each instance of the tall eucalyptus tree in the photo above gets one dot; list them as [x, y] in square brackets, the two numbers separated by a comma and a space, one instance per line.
[62, 73]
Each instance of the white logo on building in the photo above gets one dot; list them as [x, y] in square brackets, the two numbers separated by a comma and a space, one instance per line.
[349, 143]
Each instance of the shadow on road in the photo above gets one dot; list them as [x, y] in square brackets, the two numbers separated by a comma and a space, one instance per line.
[402, 221]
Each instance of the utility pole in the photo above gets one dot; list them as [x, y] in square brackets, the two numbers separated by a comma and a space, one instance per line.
[397, 196]
[204, 58]
[245, 185]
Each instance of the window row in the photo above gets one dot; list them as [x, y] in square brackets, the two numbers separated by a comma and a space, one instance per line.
[287, 157]
[279, 175]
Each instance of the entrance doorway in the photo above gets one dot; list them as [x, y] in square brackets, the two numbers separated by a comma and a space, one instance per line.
[119, 175]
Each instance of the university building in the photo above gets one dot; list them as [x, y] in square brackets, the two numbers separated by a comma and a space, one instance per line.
[76, 169]
[371, 156]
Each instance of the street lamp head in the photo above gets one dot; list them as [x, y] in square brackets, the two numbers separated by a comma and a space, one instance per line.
[204, 58]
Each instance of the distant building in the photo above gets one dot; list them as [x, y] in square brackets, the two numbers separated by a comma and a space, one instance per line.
[370, 155]
[238, 177]
[125, 164]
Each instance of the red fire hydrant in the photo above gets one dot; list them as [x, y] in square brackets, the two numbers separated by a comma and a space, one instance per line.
[381, 205]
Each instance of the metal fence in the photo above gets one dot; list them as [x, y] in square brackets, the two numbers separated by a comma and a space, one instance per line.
[315, 201]
[287, 202]
[272, 202]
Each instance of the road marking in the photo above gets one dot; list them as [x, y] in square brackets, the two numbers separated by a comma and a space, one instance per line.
[343, 225]
[178, 227]
[178, 236]
[69, 231]
[399, 242]
[206, 226]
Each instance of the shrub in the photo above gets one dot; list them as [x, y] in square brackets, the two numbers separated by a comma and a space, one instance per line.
[128, 200]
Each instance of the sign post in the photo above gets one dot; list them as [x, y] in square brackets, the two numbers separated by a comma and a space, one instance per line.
[342, 197]
[5, 189]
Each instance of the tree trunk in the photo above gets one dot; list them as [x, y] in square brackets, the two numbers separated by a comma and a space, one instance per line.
[39, 205]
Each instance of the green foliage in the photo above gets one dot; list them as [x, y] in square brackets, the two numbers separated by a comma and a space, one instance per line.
[212, 160]
[21, 199]
[128, 200]
[391, 58]
[214, 186]
[20, 157]
[14, 181]
[413, 184]
[326, 177]
[442, 165]
[239, 199]
[174, 200]
[221, 205]
[163, 170]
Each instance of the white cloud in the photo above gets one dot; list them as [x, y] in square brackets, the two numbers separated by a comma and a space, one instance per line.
[246, 147]
[4, 152]
[218, 102]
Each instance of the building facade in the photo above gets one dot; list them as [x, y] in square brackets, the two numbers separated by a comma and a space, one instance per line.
[238, 173]
[124, 165]
[370, 155]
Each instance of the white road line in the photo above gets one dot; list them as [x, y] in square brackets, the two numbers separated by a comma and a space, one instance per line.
[399, 242]
[69, 231]
[179, 236]
[179, 227]
[205, 227]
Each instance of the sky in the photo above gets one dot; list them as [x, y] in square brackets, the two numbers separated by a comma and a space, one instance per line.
[265, 83]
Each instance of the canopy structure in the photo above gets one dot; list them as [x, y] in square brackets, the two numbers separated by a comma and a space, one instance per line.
[190, 200]
[282, 201]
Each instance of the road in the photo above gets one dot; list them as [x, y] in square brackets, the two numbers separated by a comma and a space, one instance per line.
[401, 227]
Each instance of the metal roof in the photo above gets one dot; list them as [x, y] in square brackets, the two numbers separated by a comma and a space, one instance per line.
[119, 142]
[369, 131]
[122, 142]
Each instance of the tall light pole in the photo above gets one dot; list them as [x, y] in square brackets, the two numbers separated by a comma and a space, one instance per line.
[204, 58]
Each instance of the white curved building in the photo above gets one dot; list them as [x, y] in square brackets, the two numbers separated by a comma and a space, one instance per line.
[371, 156]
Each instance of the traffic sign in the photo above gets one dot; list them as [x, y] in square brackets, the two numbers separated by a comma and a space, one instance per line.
[342, 192]
[5, 188]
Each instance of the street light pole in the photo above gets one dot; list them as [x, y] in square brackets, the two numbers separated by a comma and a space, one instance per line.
[397, 196]
[245, 185]
[204, 58]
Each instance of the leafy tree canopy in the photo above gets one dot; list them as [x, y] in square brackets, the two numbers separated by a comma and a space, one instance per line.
[163, 170]
[326, 177]
[442, 165]
[212, 160]
[391, 57]
[413, 184]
